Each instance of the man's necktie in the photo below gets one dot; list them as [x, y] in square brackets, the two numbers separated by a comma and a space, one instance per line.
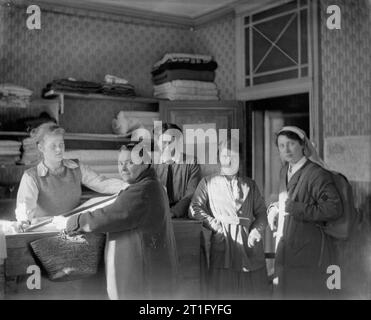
[169, 183]
[289, 172]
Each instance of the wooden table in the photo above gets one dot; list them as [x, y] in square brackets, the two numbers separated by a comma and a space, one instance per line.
[187, 236]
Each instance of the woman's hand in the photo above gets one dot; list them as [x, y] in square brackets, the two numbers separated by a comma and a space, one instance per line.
[22, 225]
[273, 217]
[254, 237]
[60, 222]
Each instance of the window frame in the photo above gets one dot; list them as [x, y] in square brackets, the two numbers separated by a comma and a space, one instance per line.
[309, 84]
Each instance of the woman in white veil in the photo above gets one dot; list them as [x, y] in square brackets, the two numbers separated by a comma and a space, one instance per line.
[307, 199]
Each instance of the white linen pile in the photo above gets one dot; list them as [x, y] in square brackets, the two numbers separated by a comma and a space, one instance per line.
[9, 151]
[103, 162]
[185, 76]
[186, 90]
[13, 96]
[31, 154]
[128, 121]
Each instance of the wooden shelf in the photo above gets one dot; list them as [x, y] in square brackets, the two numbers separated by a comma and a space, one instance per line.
[97, 96]
[14, 133]
[76, 136]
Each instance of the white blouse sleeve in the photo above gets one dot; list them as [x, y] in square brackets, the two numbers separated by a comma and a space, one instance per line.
[26, 198]
[100, 183]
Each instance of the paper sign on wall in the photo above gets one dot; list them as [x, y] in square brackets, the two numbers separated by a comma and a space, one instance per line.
[350, 155]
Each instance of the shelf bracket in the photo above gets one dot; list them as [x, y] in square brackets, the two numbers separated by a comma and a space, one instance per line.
[61, 103]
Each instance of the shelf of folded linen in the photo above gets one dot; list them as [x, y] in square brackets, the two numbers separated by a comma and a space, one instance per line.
[179, 76]
[111, 87]
[183, 66]
[9, 151]
[30, 154]
[14, 96]
[76, 136]
[101, 161]
[186, 90]
[127, 123]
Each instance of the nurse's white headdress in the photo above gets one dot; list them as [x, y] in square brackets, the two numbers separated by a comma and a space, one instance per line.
[309, 150]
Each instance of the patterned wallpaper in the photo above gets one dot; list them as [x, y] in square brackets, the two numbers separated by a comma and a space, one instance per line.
[218, 39]
[346, 70]
[346, 74]
[86, 45]
[2, 41]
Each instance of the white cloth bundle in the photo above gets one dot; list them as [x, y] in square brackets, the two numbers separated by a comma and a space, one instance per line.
[128, 121]
[185, 90]
[187, 84]
[175, 96]
[90, 156]
[15, 90]
[114, 80]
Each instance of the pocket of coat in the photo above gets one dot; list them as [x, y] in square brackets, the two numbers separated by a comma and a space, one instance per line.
[218, 241]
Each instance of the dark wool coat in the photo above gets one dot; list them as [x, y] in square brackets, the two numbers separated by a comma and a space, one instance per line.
[140, 255]
[305, 251]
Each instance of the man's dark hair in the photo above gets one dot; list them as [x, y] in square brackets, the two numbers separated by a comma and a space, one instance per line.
[167, 125]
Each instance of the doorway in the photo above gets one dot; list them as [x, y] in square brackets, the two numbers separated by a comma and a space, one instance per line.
[267, 117]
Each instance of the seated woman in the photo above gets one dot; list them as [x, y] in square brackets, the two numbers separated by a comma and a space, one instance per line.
[303, 250]
[233, 209]
[54, 185]
[52, 188]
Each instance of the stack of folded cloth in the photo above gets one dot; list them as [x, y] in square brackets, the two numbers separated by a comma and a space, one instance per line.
[179, 76]
[112, 86]
[9, 151]
[31, 154]
[103, 162]
[72, 85]
[115, 86]
[186, 90]
[13, 96]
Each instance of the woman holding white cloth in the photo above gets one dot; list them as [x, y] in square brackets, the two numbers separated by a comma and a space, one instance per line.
[308, 199]
[233, 209]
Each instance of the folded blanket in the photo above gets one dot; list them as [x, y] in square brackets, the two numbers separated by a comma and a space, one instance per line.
[209, 66]
[12, 89]
[183, 57]
[9, 153]
[171, 96]
[188, 84]
[183, 74]
[182, 90]
[118, 90]
[10, 143]
[72, 85]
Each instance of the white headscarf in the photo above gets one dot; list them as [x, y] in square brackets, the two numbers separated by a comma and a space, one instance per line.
[309, 150]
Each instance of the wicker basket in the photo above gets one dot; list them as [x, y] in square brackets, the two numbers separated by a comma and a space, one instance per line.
[69, 258]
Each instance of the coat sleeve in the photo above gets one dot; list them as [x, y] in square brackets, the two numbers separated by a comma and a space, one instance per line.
[259, 210]
[100, 183]
[27, 195]
[181, 207]
[126, 213]
[199, 209]
[324, 204]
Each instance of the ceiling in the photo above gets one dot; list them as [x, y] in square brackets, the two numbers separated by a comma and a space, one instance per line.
[183, 8]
